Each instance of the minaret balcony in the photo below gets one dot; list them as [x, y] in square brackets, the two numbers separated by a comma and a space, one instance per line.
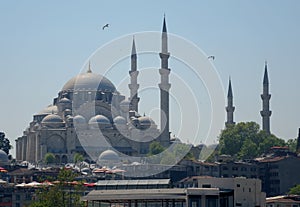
[265, 113]
[164, 86]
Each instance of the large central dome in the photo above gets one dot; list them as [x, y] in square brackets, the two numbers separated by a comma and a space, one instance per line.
[89, 81]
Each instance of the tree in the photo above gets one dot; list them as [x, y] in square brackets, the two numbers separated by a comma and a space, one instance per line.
[168, 158]
[49, 158]
[62, 194]
[295, 190]
[292, 144]
[4, 143]
[245, 141]
[78, 158]
[269, 141]
[182, 151]
[155, 148]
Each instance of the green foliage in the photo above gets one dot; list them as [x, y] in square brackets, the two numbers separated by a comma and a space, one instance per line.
[295, 190]
[292, 144]
[78, 157]
[246, 141]
[155, 148]
[208, 153]
[176, 153]
[181, 150]
[62, 194]
[168, 158]
[268, 141]
[4, 143]
[49, 158]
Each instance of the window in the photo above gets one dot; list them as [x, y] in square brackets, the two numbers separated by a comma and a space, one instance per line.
[17, 197]
[225, 168]
[238, 185]
[235, 168]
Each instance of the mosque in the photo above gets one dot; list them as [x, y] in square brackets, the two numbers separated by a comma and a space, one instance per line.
[89, 102]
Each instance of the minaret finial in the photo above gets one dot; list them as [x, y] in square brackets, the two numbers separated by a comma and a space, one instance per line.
[266, 78]
[89, 68]
[164, 25]
[229, 94]
[133, 50]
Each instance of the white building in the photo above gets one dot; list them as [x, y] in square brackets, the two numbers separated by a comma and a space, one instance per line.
[247, 192]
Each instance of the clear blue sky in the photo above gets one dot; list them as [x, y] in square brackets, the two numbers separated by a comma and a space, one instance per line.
[45, 43]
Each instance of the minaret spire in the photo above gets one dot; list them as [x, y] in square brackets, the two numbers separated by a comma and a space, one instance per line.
[266, 113]
[298, 143]
[164, 42]
[133, 86]
[164, 86]
[230, 108]
[89, 68]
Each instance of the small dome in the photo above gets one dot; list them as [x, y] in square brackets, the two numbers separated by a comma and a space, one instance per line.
[78, 119]
[99, 119]
[108, 155]
[119, 120]
[145, 120]
[65, 101]
[68, 111]
[3, 158]
[51, 109]
[52, 118]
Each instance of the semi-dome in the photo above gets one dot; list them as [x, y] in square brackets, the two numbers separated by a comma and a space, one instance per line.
[119, 120]
[108, 155]
[99, 119]
[3, 158]
[89, 81]
[52, 118]
[125, 103]
[78, 119]
[53, 121]
[145, 120]
[51, 109]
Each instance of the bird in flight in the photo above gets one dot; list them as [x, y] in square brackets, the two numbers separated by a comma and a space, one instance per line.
[105, 26]
[211, 57]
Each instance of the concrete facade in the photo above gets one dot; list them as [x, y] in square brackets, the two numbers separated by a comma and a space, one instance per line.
[247, 192]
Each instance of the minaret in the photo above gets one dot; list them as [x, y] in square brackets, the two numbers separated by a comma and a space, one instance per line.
[229, 108]
[89, 68]
[133, 86]
[298, 143]
[266, 113]
[164, 86]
